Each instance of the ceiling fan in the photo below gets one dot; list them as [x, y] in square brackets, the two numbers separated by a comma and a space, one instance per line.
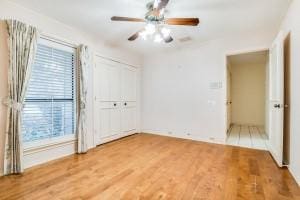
[155, 23]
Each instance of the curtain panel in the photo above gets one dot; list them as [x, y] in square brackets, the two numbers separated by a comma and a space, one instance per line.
[22, 42]
[84, 65]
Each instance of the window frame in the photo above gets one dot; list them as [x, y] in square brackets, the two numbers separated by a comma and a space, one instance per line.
[64, 46]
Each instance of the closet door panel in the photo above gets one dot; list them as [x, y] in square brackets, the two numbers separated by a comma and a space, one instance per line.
[129, 119]
[102, 82]
[115, 87]
[115, 121]
[115, 83]
[129, 84]
[104, 123]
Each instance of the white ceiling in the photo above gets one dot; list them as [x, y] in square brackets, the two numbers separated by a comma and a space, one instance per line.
[218, 18]
[260, 57]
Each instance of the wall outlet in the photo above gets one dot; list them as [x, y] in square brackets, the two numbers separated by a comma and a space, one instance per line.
[170, 133]
[188, 134]
[212, 138]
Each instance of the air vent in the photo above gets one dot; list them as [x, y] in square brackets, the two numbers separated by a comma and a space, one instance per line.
[185, 39]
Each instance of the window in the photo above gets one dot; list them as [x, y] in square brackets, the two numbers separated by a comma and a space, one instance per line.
[49, 110]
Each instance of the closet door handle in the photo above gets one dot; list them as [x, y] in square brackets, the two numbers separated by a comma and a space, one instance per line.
[115, 104]
[125, 104]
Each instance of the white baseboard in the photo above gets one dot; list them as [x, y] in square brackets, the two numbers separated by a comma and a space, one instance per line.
[190, 137]
[294, 174]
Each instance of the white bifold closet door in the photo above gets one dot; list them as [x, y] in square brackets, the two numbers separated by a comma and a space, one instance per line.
[129, 81]
[115, 110]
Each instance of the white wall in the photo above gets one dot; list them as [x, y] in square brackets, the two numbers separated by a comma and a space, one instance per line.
[248, 94]
[292, 23]
[54, 28]
[176, 92]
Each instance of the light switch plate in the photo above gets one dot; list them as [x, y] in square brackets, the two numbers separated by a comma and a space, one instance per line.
[215, 85]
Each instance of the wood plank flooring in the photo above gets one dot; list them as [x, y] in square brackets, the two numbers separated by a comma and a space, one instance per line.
[145, 166]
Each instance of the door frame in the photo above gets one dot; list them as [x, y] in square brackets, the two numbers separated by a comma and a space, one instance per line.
[287, 98]
[232, 53]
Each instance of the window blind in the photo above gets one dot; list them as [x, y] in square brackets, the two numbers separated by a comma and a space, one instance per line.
[49, 109]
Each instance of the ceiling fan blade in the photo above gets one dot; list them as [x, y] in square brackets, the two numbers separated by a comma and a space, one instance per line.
[182, 21]
[168, 39]
[160, 4]
[127, 19]
[135, 36]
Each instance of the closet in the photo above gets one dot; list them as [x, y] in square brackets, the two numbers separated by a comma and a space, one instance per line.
[115, 101]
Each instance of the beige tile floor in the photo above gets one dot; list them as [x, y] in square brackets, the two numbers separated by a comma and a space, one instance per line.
[247, 136]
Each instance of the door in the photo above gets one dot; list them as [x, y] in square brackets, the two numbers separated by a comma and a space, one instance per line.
[276, 99]
[228, 101]
[287, 100]
[129, 83]
[107, 101]
[107, 80]
[129, 118]
[107, 121]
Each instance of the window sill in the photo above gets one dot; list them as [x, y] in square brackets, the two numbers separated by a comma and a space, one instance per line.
[42, 145]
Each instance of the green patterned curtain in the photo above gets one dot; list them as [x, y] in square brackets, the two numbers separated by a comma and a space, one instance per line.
[84, 65]
[22, 43]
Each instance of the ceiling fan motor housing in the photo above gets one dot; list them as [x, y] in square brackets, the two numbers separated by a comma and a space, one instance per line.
[153, 15]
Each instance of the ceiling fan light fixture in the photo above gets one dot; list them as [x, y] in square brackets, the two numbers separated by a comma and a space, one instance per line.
[165, 32]
[143, 35]
[158, 38]
[150, 29]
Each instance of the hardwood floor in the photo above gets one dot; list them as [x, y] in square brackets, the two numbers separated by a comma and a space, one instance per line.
[146, 166]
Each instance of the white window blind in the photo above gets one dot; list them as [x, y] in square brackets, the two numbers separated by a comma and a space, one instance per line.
[49, 109]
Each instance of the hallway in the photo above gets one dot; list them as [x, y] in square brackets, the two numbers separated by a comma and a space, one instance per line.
[247, 136]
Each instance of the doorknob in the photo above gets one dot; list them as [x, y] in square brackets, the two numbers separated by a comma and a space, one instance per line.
[286, 105]
[277, 105]
[115, 104]
[125, 104]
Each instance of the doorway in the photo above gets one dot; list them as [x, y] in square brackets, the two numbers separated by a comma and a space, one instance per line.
[247, 99]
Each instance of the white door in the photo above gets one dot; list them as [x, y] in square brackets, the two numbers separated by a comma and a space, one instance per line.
[115, 100]
[115, 120]
[276, 99]
[107, 121]
[129, 83]
[129, 118]
[107, 82]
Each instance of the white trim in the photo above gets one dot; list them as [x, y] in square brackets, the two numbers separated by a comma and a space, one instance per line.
[297, 179]
[244, 51]
[114, 60]
[59, 40]
[57, 44]
[198, 139]
[54, 144]
[40, 144]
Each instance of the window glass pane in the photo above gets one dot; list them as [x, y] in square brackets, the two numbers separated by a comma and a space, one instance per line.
[49, 109]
